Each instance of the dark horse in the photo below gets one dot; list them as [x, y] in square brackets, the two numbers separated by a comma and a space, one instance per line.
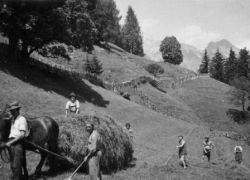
[44, 132]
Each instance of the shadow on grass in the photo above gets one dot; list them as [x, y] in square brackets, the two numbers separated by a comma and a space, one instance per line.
[240, 117]
[70, 169]
[49, 81]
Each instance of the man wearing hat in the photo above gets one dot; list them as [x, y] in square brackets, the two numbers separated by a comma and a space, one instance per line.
[94, 152]
[19, 130]
[207, 147]
[73, 105]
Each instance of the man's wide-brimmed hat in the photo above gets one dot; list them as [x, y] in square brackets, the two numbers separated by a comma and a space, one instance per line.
[72, 94]
[89, 124]
[14, 105]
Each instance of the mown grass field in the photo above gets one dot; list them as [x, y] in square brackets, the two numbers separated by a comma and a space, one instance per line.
[192, 110]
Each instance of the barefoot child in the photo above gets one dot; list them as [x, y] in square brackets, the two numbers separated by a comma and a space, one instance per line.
[238, 154]
[207, 147]
[129, 130]
[182, 151]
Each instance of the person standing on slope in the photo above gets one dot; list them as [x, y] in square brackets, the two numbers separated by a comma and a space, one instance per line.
[129, 130]
[94, 153]
[18, 131]
[238, 153]
[182, 151]
[207, 147]
[73, 105]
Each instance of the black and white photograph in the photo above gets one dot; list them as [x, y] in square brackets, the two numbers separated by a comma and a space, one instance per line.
[124, 90]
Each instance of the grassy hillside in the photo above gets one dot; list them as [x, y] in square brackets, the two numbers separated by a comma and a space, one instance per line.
[155, 133]
[208, 99]
[194, 109]
[37, 101]
[118, 65]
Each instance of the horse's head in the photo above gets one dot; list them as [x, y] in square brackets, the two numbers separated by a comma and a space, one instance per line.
[5, 123]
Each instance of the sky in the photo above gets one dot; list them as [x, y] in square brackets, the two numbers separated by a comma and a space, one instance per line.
[195, 22]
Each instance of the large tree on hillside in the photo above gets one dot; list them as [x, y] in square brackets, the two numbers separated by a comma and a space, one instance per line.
[33, 24]
[80, 27]
[131, 34]
[229, 67]
[216, 66]
[170, 49]
[106, 18]
[240, 92]
[242, 65]
[204, 63]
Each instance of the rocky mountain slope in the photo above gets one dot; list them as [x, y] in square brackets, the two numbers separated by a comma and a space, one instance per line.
[223, 46]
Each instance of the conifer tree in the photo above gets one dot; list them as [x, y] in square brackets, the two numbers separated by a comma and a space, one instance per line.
[106, 17]
[93, 67]
[242, 67]
[229, 67]
[216, 66]
[87, 66]
[238, 94]
[96, 66]
[131, 34]
[204, 64]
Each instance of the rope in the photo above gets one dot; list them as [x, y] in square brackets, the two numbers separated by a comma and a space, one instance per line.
[49, 152]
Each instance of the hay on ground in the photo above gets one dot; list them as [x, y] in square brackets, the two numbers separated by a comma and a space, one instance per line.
[115, 143]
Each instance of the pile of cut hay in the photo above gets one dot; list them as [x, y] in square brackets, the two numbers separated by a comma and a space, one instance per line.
[115, 143]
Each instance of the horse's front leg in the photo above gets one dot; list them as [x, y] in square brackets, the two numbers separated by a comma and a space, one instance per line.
[40, 165]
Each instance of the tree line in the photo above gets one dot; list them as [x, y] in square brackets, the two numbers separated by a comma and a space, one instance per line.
[225, 69]
[31, 25]
[233, 70]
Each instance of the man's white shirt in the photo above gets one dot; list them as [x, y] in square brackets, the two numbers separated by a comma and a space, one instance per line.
[20, 124]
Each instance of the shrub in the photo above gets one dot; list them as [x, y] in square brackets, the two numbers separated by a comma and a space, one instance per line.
[248, 108]
[238, 116]
[54, 51]
[125, 95]
[93, 66]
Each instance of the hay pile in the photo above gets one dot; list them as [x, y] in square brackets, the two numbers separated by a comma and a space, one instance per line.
[115, 144]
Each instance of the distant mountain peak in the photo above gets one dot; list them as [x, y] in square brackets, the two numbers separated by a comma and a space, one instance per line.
[223, 42]
[223, 46]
